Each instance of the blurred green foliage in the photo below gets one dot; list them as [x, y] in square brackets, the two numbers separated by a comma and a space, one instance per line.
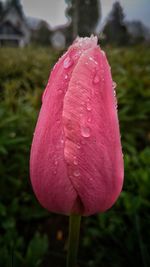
[119, 237]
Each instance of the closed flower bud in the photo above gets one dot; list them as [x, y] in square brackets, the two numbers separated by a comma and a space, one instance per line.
[76, 163]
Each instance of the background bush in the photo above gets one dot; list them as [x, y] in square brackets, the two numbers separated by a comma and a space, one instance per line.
[29, 235]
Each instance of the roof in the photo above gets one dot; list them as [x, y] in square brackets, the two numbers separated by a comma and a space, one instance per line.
[9, 10]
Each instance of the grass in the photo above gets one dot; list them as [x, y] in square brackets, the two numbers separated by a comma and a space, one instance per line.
[29, 234]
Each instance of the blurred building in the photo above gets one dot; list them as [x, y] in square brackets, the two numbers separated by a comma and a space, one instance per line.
[138, 32]
[14, 30]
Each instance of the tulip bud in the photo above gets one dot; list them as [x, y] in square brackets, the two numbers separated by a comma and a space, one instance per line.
[76, 163]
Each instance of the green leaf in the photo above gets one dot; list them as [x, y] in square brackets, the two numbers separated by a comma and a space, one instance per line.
[37, 248]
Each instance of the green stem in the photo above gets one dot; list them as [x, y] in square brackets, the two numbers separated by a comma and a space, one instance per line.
[74, 230]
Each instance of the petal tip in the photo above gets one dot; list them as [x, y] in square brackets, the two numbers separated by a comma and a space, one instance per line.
[86, 42]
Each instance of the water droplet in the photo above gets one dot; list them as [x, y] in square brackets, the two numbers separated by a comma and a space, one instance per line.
[103, 53]
[60, 91]
[89, 119]
[78, 146]
[54, 67]
[68, 62]
[66, 77]
[116, 104]
[93, 60]
[96, 79]
[75, 161]
[85, 131]
[114, 85]
[76, 173]
[56, 162]
[45, 92]
[89, 108]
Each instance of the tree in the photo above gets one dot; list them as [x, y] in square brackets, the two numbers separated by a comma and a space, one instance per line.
[115, 29]
[117, 14]
[42, 35]
[84, 16]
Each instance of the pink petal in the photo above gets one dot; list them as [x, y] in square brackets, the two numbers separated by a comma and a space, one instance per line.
[92, 147]
[48, 168]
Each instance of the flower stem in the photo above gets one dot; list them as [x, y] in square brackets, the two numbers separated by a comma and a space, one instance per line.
[74, 230]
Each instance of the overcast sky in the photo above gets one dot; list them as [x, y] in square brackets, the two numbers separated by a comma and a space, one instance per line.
[53, 10]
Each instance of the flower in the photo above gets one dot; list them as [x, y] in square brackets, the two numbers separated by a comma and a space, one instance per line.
[76, 163]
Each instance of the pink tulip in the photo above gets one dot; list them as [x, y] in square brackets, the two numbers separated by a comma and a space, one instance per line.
[76, 161]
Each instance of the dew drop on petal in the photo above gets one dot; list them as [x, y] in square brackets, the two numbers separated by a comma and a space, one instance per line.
[92, 59]
[68, 62]
[116, 104]
[56, 162]
[60, 91]
[66, 77]
[103, 53]
[45, 92]
[89, 108]
[76, 173]
[78, 146]
[114, 85]
[85, 131]
[96, 79]
[75, 162]
[89, 119]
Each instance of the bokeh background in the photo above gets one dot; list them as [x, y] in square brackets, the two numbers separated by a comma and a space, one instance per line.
[33, 34]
